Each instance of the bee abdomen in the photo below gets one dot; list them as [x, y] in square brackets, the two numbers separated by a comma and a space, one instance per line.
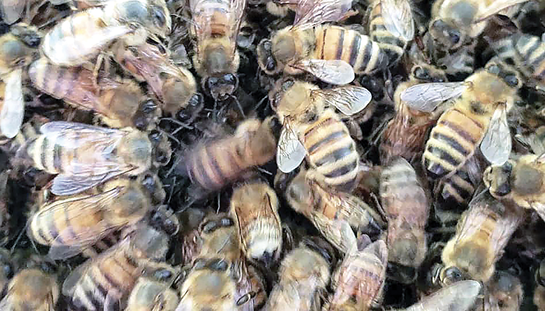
[392, 45]
[532, 53]
[363, 54]
[451, 143]
[457, 188]
[215, 165]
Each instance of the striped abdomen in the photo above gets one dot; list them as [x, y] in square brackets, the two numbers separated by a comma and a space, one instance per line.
[457, 188]
[392, 45]
[531, 52]
[67, 225]
[215, 14]
[452, 142]
[74, 40]
[363, 54]
[112, 277]
[332, 151]
[71, 84]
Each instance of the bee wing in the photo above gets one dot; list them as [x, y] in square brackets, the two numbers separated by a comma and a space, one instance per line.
[237, 13]
[13, 109]
[503, 231]
[11, 10]
[335, 71]
[348, 99]
[532, 142]
[338, 232]
[459, 296]
[495, 8]
[427, 96]
[312, 12]
[73, 135]
[496, 144]
[398, 18]
[87, 177]
[290, 152]
[146, 63]
[69, 284]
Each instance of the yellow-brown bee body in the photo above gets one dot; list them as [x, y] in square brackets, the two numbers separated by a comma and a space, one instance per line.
[151, 295]
[31, 289]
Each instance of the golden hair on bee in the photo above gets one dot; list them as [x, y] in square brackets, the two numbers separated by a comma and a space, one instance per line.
[254, 207]
[31, 289]
[151, 295]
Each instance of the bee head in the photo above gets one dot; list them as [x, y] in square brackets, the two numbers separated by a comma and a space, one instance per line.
[221, 86]
[26, 34]
[450, 275]
[161, 148]
[149, 243]
[445, 35]
[154, 18]
[147, 112]
[498, 179]
[265, 57]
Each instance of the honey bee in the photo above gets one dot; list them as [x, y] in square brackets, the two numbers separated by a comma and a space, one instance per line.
[83, 35]
[520, 180]
[525, 52]
[539, 291]
[120, 103]
[478, 116]
[364, 264]
[216, 60]
[503, 293]
[151, 295]
[459, 188]
[454, 22]
[405, 135]
[481, 235]
[172, 85]
[310, 128]
[84, 156]
[391, 25]
[219, 278]
[218, 163]
[324, 208]
[17, 48]
[254, 207]
[333, 54]
[460, 296]
[72, 224]
[31, 289]
[304, 275]
[406, 206]
[104, 282]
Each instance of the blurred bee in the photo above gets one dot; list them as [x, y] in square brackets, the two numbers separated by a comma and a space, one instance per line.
[520, 180]
[323, 207]
[454, 22]
[7, 268]
[173, 85]
[152, 295]
[119, 103]
[72, 224]
[405, 135]
[220, 271]
[525, 51]
[254, 207]
[17, 48]
[539, 290]
[190, 240]
[406, 206]
[333, 54]
[310, 128]
[477, 117]
[304, 275]
[31, 289]
[105, 282]
[481, 235]
[391, 25]
[460, 296]
[503, 293]
[364, 264]
[216, 60]
[83, 35]
[218, 163]
[84, 156]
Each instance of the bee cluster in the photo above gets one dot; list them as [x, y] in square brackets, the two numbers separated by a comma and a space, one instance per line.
[272, 155]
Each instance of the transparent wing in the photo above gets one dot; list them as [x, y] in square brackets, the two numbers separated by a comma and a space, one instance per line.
[496, 144]
[87, 179]
[427, 96]
[73, 135]
[532, 142]
[459, 296]
[348, 99]
[314, 12]
[337, 232]
[237, 13]
[398, 18]
[11, 10]
[290, 152]
[13, 109]
[495, 8]
[336, 72]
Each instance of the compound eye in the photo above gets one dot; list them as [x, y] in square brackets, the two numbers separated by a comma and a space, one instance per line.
[149, 107]
[213, 82]
[209, 227]
[454, 37]
[512, 80]
[494, 69]
[453, 274]
[159, 17]
[230, 79]
[421, 74]
[149, 182]
[155, 136]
